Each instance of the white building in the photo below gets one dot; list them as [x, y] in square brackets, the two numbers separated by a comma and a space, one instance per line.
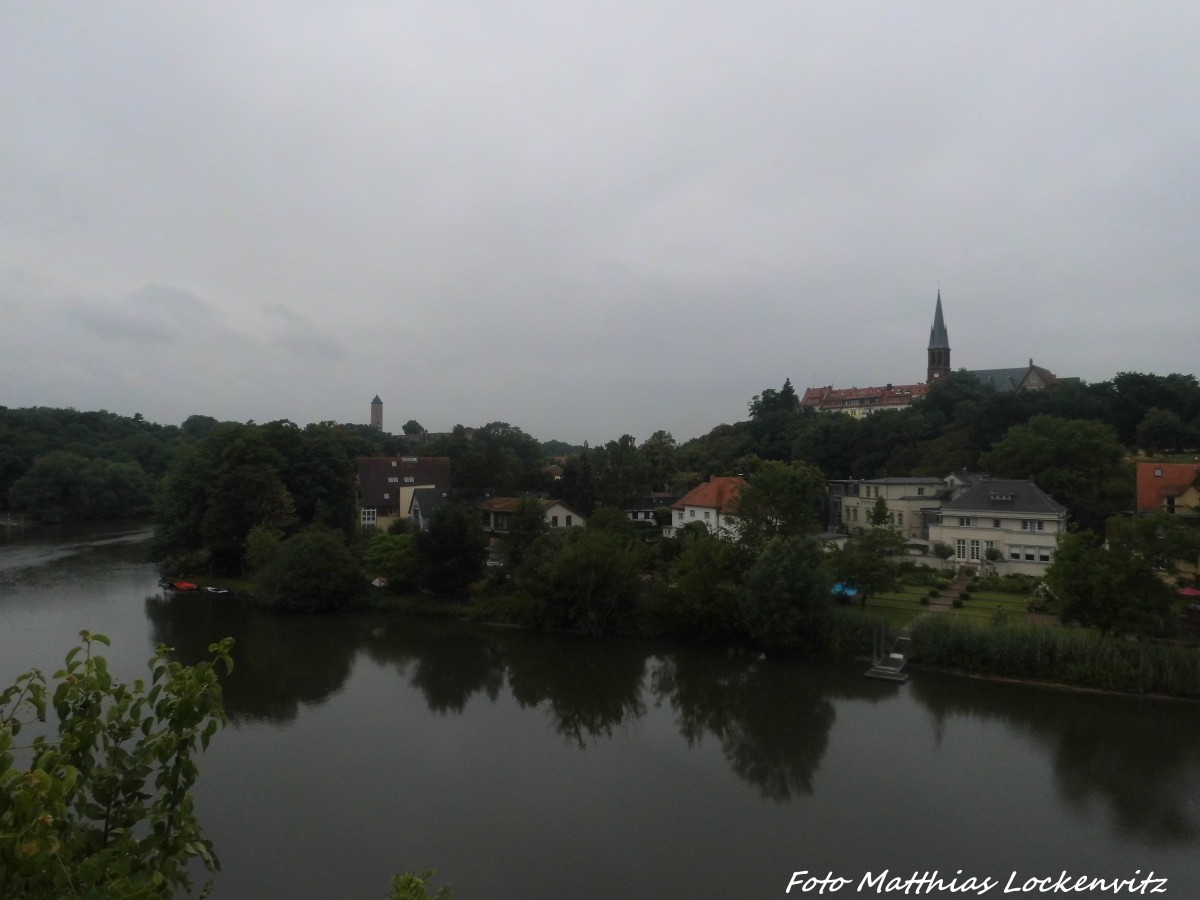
[905, 499]
[1015, 517]
[712, 504]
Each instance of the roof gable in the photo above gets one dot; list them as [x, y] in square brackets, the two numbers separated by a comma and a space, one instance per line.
[719, 493]
[1158, 480]
[1006, 495]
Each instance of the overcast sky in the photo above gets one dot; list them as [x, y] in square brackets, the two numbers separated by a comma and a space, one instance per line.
[585, 219]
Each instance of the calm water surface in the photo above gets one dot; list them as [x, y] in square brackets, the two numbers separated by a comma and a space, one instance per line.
[532, 767]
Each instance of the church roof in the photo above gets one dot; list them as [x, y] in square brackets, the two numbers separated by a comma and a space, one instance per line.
[938, 338]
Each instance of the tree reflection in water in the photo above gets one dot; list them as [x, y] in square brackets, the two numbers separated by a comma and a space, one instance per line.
[772, 720]
[1098, 756]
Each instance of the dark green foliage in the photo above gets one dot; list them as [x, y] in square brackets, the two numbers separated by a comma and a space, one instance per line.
[1081, 464]
[528, 523]
[312, 572]
[62, 486]
[702, 593]
[787, 601]
[105, 808]
[451, 552]
[393, 557]
[780, 500]
[868, 561]
[621, 475]
[577, 487]
[583, 579]
[1112, 588]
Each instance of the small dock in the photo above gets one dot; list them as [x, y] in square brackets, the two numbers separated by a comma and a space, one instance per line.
[889, 666]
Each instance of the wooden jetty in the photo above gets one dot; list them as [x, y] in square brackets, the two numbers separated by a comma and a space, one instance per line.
[889, 665]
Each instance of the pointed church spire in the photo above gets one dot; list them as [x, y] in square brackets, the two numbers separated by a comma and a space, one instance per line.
[938, 354]
[938, 339]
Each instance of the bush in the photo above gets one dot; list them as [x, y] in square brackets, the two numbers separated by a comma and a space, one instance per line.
[105, 807]
[313, 571]
[933, 593]
[964, 595]
[957, 602]
[925, 600]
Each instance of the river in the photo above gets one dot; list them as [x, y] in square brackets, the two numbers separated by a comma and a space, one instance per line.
[527, 766]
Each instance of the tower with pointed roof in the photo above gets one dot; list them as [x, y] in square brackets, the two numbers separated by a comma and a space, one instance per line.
[377, 413]
[938, 366]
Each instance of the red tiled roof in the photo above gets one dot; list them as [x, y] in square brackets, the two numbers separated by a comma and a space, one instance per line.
[719, 492]
[1173, 480]
[883, 395]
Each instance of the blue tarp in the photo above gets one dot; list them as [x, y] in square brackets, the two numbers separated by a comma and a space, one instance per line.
[844, 590]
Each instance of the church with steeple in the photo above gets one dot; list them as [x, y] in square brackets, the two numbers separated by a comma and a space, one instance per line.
[860, 402]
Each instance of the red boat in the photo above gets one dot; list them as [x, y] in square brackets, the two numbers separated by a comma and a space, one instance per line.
[183, 586]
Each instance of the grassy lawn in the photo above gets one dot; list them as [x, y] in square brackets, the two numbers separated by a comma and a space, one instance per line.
[902, 606]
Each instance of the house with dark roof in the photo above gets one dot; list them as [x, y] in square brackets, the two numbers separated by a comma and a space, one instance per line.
[386, 485]
[1171, 488]
[713, 504]
[425, 502]
[1012, 516]
[497, 514]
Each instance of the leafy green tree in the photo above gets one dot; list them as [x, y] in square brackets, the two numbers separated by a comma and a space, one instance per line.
[942, 550]
[621, 473]
[450, 552]
[393, 557]
[415, 886]
[62, 486]
[262, 548]
[578, 489]
[703, 592]
[104, 808]
[1114, 590]
[412, 427]
[787, 600]
[659, 452]
[1162, 430]
[1079, 462]
[528, 523]
[243, 497]
[781, 499]
[878, 516]
[584, 579]
[868, 561]
[314, 571]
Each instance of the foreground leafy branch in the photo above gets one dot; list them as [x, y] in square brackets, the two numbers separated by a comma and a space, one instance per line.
[103, 808]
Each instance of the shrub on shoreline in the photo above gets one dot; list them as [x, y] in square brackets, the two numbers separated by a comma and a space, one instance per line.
[1073, 657]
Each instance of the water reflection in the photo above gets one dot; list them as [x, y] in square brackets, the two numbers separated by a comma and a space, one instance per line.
[771, 718]
[1138, 758]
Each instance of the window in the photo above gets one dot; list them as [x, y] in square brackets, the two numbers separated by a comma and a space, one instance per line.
[409, 479]
[387, 496]
[989, 545]
[995, 523]
[1024, 524]
[964, 522]
[1014, 553]
[1158, 473]
[567, 521]
[554, 521]
[368, 515]
[681, 515]
[920, 492]
[975, 550]
[393, 464]
[1029, 554]
[691, 514]
[1170, 503]
[960, 549]
[408, 459]
[900, 518]
[707, 515]
[392, 479]
[1044, 555]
